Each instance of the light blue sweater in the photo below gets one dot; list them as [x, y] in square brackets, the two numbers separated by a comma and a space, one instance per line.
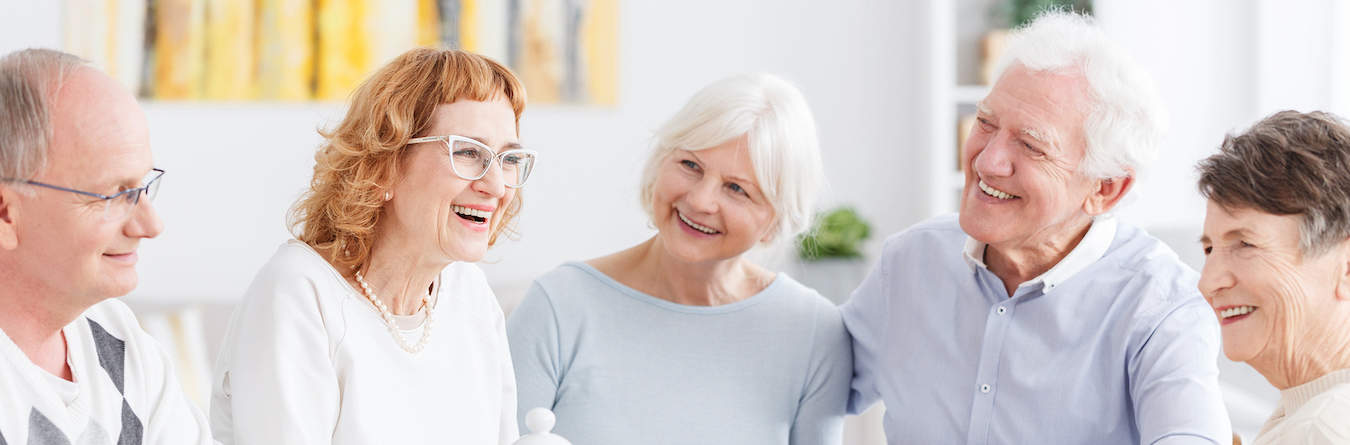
[621, 367]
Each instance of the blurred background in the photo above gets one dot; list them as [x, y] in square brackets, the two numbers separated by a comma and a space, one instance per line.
[235, 92]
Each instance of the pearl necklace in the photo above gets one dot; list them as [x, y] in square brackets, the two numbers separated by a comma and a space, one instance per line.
[388, 317]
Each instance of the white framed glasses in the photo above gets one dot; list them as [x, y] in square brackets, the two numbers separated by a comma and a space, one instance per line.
[471, 159]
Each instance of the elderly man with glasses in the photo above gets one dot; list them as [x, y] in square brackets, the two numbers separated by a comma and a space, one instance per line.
[1036, 317]
[76, 181]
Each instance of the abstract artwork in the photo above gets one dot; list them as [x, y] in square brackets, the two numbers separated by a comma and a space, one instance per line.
[565, 51]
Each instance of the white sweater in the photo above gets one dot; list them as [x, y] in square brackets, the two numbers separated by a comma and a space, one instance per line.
[1314, 413]
[308, 360]
[124, 391]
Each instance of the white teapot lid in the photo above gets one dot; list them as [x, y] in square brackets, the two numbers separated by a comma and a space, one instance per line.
[540, 422]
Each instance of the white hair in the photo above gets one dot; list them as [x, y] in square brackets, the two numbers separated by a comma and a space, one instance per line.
[1126, 119]
[29, 80]
[780, 133]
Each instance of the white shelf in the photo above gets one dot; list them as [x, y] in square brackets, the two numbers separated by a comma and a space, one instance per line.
[969, 94]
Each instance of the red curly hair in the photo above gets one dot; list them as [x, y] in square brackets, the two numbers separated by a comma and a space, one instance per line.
[345, 201]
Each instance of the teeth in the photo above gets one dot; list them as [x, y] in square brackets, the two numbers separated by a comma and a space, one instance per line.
[696, 225]
[991, 191]
[1236, 311]
[471, 212]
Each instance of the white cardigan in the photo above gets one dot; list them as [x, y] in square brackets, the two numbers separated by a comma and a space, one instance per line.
[307, 360]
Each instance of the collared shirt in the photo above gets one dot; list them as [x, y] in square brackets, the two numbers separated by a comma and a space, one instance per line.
[1112, 345]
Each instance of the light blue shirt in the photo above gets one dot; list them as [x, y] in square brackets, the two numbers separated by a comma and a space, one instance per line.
[619, 366]
[1113, 345]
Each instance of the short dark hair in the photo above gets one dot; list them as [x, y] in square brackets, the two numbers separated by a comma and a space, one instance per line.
[1289, 163]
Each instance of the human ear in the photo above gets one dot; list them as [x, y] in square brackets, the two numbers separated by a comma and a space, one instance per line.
[9, 215]
[1107, 193]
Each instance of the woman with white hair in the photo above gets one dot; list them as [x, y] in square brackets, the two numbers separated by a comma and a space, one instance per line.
[1277, 267]
[681, 337]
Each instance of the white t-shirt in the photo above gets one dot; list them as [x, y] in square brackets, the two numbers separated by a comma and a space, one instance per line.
[124, 391]
[308, 360]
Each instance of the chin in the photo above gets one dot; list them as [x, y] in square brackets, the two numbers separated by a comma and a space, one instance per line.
[120, 287]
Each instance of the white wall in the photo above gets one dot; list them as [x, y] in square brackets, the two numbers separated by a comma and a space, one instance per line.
[235, 168]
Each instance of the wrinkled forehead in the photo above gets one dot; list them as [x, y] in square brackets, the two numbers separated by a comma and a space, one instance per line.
[98, 129]
[1048, 104]
[1224, 222]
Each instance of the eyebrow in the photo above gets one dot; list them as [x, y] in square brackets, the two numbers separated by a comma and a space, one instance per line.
[1046, 137]
[981, 108]
[736, 179]
[507, 146]
[1238, 233]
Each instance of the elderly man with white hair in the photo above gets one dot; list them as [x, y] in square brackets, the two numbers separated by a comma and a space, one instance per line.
[1037, 317]
[76, 181]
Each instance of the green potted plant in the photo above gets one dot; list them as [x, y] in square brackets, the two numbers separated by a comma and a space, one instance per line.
[837, 234]
[830, 254]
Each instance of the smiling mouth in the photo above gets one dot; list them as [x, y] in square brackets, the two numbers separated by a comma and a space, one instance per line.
[472, 215]
[996, 193]
[696, 226]
[1235, 313]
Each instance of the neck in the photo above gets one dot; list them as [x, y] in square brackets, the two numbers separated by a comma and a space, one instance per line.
[705, 283]
[34, 324]
[399, 279]
[1311, 354]
[1018, 263]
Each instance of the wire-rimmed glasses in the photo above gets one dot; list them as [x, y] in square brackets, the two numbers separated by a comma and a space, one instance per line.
[472, 159]
[118, 205]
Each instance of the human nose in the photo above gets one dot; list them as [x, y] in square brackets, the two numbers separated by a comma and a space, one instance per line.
[995, 159]
[1215, 277]
[703, 198]
[493, 182]
[145, 221]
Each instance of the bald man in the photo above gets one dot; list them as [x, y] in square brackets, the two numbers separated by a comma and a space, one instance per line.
[76, 184]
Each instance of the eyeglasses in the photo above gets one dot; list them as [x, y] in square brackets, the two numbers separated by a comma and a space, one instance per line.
[118, 205]
[471, 159]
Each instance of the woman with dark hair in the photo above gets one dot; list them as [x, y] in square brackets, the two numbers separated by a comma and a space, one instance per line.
[1277, 267]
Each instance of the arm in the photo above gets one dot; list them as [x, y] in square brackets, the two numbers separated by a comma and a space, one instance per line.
[533, 330]
[275, 377]
[820, 414]
[508, 431]
[1174, 380]
[864, 316]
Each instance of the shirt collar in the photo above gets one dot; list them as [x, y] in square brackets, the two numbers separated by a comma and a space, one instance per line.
[1088, 251]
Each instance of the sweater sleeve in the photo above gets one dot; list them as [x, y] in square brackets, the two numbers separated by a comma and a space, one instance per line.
[533, 330]
[275, 381]
[820, 413]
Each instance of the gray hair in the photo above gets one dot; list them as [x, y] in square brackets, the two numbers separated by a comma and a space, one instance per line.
[1126, 119]
[779, 129]
[29, 80]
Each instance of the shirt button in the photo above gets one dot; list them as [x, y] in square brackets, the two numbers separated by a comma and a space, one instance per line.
[985, 388]
[1002, 310]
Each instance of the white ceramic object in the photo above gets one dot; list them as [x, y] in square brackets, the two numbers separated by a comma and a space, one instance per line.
[540, 422]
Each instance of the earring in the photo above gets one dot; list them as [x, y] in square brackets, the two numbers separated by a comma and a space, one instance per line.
[388, 196]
